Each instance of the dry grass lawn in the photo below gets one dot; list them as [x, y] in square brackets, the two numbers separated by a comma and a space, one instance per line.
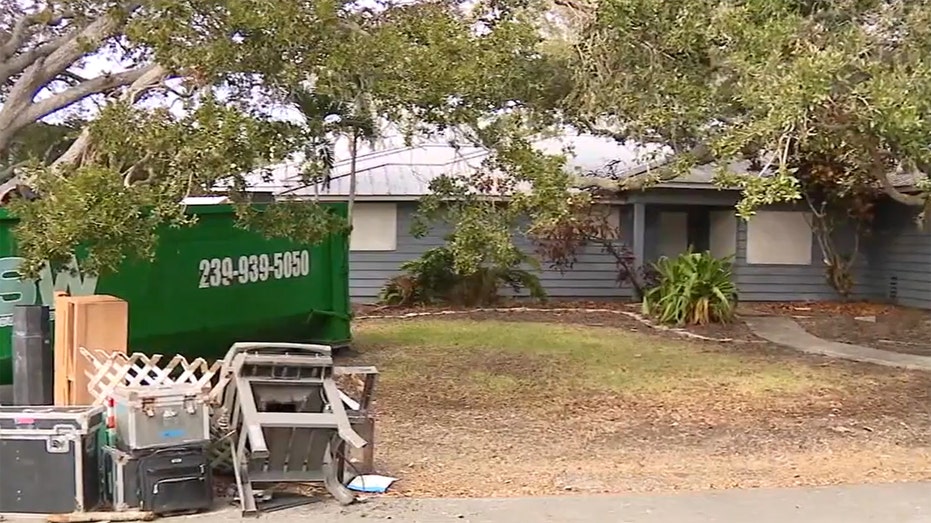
[491, 408]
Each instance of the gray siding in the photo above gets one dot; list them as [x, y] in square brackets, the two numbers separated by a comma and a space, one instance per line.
[756, 282]
[765, 282]
[900, 258]
[593, 276]
[895, 261]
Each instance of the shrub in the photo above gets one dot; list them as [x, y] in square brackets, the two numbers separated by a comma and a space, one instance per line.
[432, 279]
[426, 279]
[693, 288]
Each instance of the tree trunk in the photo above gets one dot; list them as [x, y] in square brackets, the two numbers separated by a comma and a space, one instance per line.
[353, 155]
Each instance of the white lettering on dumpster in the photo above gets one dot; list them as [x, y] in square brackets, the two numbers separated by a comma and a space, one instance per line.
[14, 290]
[222, 272]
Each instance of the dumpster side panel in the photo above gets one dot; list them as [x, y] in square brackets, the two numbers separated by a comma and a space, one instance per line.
[210, 285]
[12, 292]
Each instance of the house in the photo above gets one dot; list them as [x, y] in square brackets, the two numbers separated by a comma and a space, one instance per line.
[776, 256]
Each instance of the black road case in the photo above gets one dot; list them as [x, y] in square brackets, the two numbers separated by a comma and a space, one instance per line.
[169, 480]
[176, 480]
[48, 459]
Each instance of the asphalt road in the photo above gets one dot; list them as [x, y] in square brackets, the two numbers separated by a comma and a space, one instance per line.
[891, 503]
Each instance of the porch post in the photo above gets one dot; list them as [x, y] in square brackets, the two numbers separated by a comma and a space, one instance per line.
[638, 242]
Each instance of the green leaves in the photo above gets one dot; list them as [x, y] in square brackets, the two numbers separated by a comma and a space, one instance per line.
[424, 66]
[840, 82]
[303, 222]
[434, 278]
[517, 190]
[759, 191]
[693, 288]
[92, 208]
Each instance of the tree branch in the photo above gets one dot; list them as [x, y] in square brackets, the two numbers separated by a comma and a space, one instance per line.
[19, 35]
[150, 77]
[39, 68]
[890, 189]
[17, 64]
[11, 64]
[99, 85]
[10, 171]
[74, 46]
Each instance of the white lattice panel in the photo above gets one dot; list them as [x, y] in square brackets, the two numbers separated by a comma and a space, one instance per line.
[108, 370]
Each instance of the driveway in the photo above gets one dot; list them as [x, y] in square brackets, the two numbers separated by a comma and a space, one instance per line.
[898, 503]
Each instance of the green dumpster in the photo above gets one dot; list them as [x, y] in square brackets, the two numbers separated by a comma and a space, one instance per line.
[210, 285]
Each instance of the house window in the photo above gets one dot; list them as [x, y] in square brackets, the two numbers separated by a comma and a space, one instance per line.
[374, 227]
[722, 234]
[779, 238]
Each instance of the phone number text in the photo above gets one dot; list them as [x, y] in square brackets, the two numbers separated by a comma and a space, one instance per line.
[222, 272]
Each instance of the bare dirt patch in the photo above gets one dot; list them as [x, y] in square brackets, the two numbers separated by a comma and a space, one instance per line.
[492, 408]
[885, 327]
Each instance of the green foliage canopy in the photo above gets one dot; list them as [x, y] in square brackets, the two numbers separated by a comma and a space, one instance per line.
[785, 83]
[224, 66]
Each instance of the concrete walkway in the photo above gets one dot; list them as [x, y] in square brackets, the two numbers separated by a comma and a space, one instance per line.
[786, 331]
[892, 503]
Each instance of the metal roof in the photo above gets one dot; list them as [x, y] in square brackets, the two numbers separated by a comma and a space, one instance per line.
[406, 172]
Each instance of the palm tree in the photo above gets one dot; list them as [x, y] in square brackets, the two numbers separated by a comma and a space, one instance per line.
[327, 120]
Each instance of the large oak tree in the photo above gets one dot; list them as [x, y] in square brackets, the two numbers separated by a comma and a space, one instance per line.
[789, 84]
[824, 102]
[189, 103]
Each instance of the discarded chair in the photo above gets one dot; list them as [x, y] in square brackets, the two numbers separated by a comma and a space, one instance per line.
[287, 417]
[361, 418]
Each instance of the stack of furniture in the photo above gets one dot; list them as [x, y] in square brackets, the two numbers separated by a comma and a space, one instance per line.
[158, 461]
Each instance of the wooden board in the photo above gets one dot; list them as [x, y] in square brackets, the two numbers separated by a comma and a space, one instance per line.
[98, 322]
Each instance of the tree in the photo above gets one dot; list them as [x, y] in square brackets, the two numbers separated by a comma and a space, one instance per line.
[827, 101]
[789, 85]
[353, 119]
[38, 141]
[225, 65]
[561, 242]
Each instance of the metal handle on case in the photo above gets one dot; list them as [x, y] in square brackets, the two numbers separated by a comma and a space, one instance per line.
[60, 441]
[190, 404]
[65, 430]
[173, 480]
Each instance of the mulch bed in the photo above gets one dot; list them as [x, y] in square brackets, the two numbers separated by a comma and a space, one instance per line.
[736, 331]
[885, 327]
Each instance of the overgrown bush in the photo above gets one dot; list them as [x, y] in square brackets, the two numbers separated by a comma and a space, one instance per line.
[432, 278]
[692, 288]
